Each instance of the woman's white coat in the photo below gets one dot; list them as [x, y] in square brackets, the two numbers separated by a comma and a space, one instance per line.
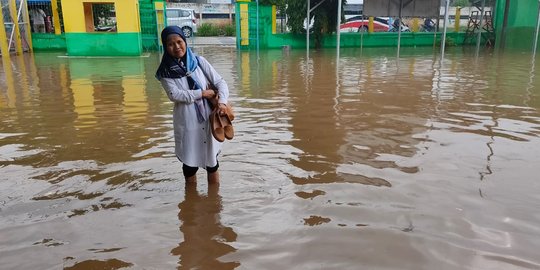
[194, 144]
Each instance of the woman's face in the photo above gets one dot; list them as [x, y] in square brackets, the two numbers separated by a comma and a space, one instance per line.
[175, 46]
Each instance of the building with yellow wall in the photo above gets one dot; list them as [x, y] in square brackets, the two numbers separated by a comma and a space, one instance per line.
[102, 27]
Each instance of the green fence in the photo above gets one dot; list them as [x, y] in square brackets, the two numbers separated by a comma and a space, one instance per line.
[148, 25]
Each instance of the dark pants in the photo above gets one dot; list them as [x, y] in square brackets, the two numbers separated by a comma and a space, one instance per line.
[191, 171]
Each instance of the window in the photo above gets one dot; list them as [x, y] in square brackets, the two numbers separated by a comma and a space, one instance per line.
[100, 17]
[178, 13]
[172, 13]
[185, 13]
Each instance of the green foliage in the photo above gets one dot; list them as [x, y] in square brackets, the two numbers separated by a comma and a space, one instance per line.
[205, 30]
[461, 3]
[209, 30]
[296, 13]
[229, 29]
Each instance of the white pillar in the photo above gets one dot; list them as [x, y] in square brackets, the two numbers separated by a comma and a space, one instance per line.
[535, 44]
[307, 27]
[443, 41]
[338, 23]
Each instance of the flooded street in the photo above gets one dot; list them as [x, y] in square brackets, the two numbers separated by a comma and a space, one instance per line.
[361, 161]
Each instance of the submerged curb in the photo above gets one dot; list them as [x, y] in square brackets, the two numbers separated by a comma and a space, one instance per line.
[212, 41]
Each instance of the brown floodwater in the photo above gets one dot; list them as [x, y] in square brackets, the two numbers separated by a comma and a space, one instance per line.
[357, 161]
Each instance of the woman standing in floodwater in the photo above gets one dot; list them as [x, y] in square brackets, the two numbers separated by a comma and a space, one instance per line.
[184, 76]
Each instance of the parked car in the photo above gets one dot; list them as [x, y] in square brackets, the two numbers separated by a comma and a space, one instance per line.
[359, 24]
[184, 18]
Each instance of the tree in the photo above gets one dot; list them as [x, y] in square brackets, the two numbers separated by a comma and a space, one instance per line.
[325, 17]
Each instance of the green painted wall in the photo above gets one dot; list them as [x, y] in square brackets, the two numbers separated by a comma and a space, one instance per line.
[521, 25]
[48, 42]
[103, 44]
[356, 40]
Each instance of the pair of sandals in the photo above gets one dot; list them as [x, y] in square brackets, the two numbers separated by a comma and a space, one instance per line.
[221, 125]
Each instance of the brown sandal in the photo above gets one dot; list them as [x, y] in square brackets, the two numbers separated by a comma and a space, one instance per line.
[228, 129]
[217, 126]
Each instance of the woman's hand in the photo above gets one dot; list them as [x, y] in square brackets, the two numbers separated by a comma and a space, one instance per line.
[222, 109]
[208, 94]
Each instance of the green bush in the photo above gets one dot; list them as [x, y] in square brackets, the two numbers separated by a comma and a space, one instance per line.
[205, 30]
[230, 30]
[209, 30]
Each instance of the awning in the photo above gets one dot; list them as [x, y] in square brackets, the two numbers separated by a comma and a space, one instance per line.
[411, 8]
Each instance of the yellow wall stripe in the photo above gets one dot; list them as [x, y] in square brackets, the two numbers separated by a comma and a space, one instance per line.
[273, 19]
[244, 25]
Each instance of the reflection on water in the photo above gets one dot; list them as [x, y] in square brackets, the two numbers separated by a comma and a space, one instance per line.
[362, 159]
[111, 264]
[205, 237]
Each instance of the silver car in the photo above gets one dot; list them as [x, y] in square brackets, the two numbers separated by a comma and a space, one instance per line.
[184, 18]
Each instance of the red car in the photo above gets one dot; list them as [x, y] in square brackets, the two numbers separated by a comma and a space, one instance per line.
[357, 24]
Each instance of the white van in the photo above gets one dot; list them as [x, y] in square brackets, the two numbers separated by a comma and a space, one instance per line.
[184, 18]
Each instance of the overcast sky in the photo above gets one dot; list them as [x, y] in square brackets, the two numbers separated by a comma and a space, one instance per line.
[355, 1]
